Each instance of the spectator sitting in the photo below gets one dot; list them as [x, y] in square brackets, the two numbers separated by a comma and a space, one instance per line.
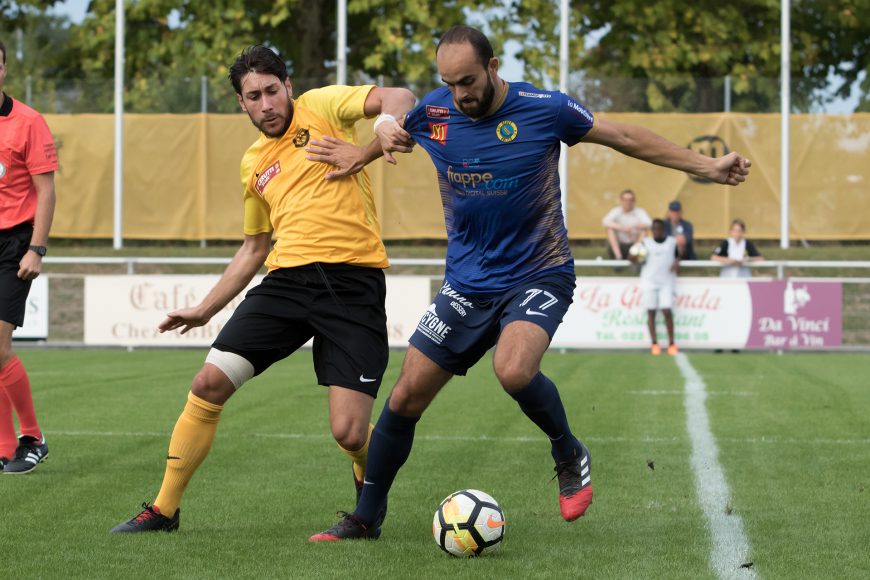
[681, 229]
[736, 251]
[625, 225]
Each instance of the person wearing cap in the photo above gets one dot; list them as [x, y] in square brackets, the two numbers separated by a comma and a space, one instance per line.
[682, 230]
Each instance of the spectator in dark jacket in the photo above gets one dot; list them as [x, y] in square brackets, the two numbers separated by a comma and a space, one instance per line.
[682, 230]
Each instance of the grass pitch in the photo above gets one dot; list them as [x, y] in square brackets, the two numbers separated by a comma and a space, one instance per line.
[793, 434]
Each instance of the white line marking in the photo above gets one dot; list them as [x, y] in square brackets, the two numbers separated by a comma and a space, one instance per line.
[730, 547]
[520, 439]
[678, 392]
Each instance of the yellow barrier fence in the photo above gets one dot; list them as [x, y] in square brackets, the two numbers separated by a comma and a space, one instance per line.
[181, 178]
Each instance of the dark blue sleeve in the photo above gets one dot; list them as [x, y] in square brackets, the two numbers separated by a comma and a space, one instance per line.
[415, 120]
[688, 231]
[573, 120]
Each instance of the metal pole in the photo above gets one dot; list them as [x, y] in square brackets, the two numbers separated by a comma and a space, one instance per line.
[564, 19]
[203, 108]
[785, 114]
[118, 238]
[28, 91]
[727, 93]
[19, 44]
[341, 48]
[203, 94]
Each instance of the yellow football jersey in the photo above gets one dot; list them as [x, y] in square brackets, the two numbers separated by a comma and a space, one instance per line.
[314, 220]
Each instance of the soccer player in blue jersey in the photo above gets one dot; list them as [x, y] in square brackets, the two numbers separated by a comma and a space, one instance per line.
[510, 274]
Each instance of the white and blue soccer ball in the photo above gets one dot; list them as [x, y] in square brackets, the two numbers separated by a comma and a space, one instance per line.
[638, 251]
[468, 523]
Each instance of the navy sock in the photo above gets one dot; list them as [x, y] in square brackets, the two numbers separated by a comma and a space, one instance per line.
[541, 403]
[389, 448]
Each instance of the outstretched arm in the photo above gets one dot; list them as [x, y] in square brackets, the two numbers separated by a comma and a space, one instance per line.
[645, 145]
[240, 271]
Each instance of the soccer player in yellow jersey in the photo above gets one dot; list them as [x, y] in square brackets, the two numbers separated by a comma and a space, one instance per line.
[325, 277]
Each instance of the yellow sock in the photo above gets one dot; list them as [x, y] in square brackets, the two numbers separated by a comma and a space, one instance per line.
[359, 457]
[190, 443]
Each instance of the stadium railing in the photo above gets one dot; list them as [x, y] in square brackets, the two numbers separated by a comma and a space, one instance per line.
[779, 265]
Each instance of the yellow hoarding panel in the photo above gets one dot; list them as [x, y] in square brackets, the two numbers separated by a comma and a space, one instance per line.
[181, 177]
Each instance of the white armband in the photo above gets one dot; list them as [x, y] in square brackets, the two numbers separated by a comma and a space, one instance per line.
[383, 118]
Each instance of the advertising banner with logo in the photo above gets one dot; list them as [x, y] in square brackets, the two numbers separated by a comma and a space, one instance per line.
[708, 313]
[125, 310]
[36, 313]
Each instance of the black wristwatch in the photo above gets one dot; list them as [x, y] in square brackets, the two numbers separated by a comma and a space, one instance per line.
[40, 250]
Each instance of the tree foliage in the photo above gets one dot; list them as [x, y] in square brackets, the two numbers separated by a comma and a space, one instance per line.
[672, 55]
[667, 55]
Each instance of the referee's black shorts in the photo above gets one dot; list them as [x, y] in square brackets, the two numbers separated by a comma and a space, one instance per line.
[14, 243]
[339, 305]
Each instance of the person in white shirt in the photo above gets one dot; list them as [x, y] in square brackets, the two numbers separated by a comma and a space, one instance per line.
[658, 282]
[625, 225]
[736, 251]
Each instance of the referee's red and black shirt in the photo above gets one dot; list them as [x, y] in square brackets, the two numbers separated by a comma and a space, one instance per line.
[26, 149]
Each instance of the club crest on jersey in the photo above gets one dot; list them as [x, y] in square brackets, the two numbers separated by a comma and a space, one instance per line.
[438, 132]
[506, 131]
[265, 177]
[301, 138]
[437, 112]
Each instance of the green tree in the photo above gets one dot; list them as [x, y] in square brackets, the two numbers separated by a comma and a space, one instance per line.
[671, 55]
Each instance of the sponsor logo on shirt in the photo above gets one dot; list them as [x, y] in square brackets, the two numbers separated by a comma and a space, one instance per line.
[534, 95]
[477, 183]
[433, 327]
[437, 112]
[447, 290]
[265, 177]
[579, 108]
[506, 131]
[301, 138]
[438, 132]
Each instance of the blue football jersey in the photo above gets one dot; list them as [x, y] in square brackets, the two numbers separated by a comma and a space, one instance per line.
[499, 183]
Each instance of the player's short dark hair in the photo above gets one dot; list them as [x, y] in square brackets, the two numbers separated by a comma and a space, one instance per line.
[628, 191]
[3, 50]
[461, 34]
[256, 58]
[739, 222]
[658, 222]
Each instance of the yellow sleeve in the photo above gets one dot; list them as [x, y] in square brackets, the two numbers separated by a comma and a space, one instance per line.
[256, 209]
[341, 105]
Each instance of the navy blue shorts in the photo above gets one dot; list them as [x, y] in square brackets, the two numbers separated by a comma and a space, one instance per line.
[457, 330]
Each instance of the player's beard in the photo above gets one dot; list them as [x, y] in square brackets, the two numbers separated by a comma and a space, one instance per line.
[476, 109]
[288, 118]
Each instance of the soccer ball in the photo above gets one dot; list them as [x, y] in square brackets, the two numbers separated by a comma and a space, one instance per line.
[638, 251]
[467, 523]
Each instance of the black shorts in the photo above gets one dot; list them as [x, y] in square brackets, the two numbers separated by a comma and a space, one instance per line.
[14, 243]
[456, 331]
[340, 306]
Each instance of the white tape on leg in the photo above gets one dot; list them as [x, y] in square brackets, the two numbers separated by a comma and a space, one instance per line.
[235, 367]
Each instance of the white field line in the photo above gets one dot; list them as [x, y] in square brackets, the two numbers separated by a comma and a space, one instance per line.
[681, 393]
[730, 547]
[493, 438]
